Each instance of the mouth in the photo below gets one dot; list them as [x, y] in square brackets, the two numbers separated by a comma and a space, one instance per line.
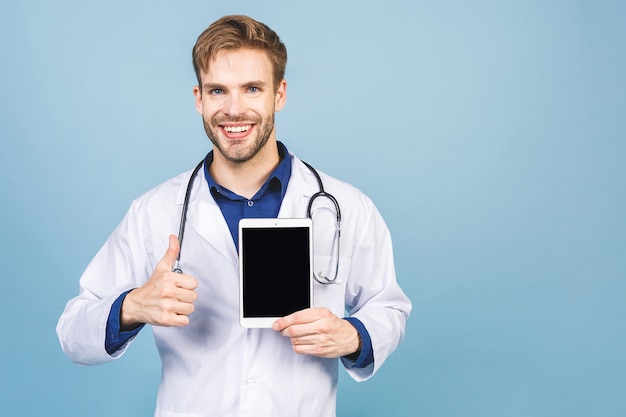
[236, 131]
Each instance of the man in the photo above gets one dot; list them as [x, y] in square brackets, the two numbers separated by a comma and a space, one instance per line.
[211, 365]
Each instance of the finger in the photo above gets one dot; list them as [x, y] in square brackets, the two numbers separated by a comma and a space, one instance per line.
[184, 309]
[186, 282]
[299, 330]
[176, 320]
[307, 315]
[284, 322]
[322, 323]
[186, 296]
[173, 313]
[170, 256]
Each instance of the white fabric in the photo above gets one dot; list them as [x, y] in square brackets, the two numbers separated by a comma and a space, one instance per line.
[213, 367]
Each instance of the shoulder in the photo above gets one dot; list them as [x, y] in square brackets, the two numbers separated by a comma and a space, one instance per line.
[167, 194]
[349, 196]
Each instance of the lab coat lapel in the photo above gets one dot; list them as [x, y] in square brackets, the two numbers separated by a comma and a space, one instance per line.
[206, 218]
[302, 186]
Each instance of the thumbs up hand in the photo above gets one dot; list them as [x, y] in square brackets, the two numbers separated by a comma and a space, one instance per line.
[166, 299]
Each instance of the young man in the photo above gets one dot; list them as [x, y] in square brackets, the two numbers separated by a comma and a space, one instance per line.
[211, 365]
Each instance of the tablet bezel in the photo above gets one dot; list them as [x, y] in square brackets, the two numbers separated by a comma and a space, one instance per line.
[251, 223]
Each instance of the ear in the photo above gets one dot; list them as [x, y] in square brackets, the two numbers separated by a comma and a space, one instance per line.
[281, 96]
[198, 95]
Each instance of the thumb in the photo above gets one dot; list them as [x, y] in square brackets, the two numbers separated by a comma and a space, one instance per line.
[171, 254]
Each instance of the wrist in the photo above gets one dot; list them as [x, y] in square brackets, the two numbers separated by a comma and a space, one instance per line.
[127, 318]
[357, 352]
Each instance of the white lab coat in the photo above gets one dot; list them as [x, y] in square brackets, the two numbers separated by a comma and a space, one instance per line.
[213, 367]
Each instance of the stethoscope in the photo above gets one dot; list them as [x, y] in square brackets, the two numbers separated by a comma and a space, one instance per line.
[319, 276]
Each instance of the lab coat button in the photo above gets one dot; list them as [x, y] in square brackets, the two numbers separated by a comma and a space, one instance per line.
[251, 382]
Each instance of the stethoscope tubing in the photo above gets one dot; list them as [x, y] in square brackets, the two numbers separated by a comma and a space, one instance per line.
[183, 217]
[320, 193]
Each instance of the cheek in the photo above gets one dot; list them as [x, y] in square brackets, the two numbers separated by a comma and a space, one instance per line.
[268, 107]
[207, 110]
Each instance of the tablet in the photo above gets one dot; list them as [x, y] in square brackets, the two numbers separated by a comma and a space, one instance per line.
[275, 269]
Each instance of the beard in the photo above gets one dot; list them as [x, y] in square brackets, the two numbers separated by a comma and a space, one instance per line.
[239, 152]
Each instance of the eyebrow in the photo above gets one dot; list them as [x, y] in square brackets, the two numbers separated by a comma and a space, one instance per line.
[213, 86]
[254, 84]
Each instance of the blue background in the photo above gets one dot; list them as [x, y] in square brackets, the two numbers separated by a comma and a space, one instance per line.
[491, 135]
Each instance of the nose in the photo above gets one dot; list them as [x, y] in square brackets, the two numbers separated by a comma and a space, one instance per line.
[234, 105]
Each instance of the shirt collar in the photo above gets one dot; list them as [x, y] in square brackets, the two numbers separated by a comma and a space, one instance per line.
[280, 175]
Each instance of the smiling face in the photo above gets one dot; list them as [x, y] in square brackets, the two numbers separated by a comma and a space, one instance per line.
[237, 102]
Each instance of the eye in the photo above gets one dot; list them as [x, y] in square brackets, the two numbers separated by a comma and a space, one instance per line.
[216, 91]
[254, 89]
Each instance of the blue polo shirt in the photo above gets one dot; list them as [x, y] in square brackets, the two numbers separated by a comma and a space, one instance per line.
[264, 204]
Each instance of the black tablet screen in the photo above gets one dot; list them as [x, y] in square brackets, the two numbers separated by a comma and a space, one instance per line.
[276, 271]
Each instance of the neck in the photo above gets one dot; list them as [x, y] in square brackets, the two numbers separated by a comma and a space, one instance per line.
[245, 178]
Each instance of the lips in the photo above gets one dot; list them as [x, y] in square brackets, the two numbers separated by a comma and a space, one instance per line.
[237, 129]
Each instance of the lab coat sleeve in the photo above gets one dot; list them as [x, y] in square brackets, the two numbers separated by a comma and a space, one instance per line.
[121, 264]
[373, 294]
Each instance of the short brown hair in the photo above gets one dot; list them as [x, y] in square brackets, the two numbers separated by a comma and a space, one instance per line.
[236, 32]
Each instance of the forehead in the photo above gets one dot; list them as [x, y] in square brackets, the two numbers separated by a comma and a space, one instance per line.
[238, 66]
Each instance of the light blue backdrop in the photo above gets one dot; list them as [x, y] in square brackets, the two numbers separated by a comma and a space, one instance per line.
[491, 134]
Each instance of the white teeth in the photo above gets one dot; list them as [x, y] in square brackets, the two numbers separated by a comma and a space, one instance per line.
[237, 129]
